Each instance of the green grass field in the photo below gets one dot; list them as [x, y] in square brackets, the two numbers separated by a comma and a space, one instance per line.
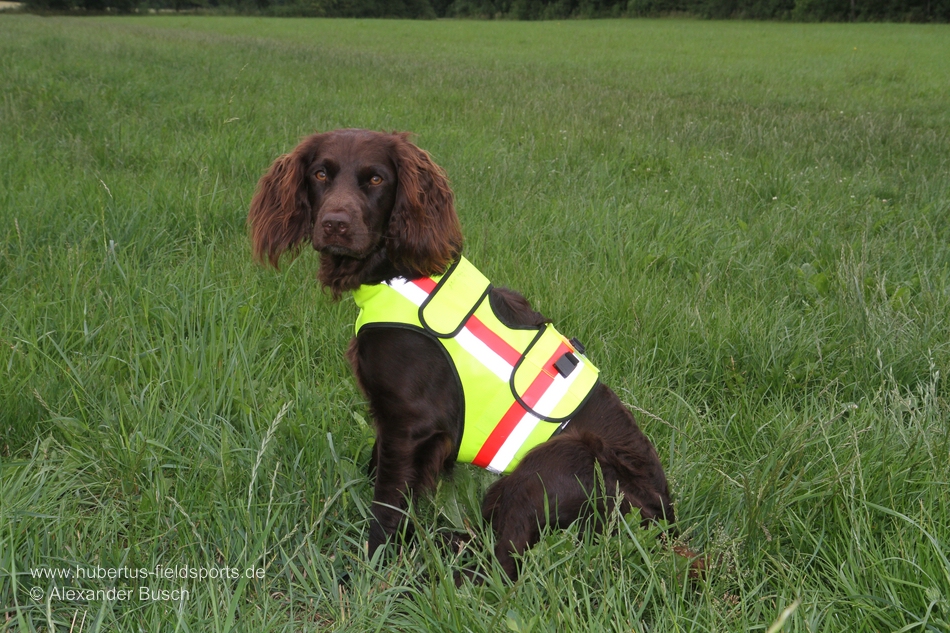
[748, 224]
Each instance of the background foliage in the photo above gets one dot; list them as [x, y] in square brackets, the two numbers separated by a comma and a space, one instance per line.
[795, 10]
[746, 223]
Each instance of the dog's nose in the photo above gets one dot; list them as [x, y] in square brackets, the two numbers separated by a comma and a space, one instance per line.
[336, 223]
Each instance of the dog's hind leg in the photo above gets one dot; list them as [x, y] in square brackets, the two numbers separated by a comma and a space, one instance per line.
[555, 484]
[572, 476]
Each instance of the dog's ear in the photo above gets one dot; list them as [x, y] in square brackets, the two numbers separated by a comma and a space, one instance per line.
[280, 215]
[424, 235]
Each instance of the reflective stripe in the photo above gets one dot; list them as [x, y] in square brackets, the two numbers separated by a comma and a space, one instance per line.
[517, 424]
[519, 435]
[492, 340]
[475, 338]
[428, 284]
[484, 354]
[410, 290]
[559, 386]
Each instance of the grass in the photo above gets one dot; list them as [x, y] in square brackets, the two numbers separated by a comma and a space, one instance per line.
[747, 224]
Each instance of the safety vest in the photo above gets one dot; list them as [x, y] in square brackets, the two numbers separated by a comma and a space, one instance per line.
[520, 386]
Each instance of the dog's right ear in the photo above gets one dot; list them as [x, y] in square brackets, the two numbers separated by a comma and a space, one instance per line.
[280, 215]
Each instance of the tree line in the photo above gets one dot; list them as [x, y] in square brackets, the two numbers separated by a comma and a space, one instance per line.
[797, 10]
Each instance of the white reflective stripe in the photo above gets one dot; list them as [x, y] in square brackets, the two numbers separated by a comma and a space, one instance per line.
[468, 341]
[484, 354]
[556, 391]
[409, 290]
[545, 405]
[514, 441]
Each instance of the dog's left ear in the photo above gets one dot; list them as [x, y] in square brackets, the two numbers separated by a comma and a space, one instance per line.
[424, 235]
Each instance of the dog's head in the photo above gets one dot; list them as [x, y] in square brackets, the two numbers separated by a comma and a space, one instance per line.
[369, 202]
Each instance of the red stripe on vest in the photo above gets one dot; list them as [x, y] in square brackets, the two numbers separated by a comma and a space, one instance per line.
[514, 414]
[428, 284]
[494, 342]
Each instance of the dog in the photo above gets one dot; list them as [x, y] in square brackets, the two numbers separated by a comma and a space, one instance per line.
[377, 208]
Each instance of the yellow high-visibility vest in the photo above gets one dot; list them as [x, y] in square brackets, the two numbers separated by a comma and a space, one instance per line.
[520, 385]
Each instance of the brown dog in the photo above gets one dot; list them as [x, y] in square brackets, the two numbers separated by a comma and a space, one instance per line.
[377, 208]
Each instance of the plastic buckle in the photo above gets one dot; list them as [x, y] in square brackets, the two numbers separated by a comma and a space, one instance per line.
[578, 346]
[566, 364]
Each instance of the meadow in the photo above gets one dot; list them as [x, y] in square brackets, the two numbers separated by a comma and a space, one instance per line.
[747, 224]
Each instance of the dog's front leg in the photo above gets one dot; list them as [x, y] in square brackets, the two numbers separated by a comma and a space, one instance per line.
[390, 494]
[404, 466]
[415, 403]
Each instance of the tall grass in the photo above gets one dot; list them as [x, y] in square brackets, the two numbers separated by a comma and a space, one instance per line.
[747, 224]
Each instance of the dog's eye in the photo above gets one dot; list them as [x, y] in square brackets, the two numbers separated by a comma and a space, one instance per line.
[376, 180]
[321, 175]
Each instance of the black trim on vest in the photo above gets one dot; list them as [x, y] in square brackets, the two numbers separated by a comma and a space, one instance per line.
[380, 325]
[511, 385]
[462, 323]
[435, 291]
